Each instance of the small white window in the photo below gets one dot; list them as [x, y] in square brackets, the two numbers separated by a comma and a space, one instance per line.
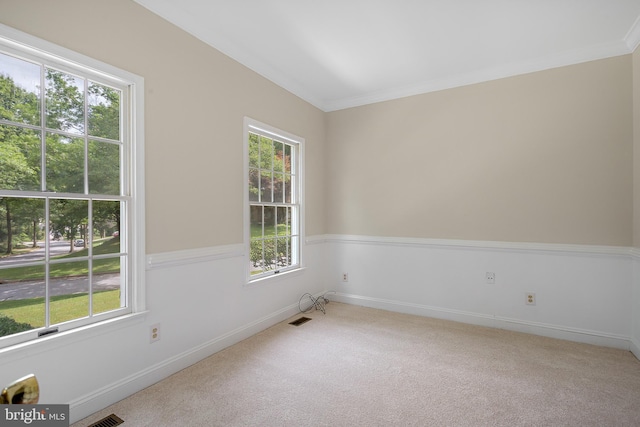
[273, 200]
[70, 190]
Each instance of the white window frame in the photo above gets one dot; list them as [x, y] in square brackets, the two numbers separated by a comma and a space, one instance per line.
[132, 231]
[255, 126]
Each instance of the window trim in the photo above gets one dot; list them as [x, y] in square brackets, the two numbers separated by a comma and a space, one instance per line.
[30, 47]
[255, 125]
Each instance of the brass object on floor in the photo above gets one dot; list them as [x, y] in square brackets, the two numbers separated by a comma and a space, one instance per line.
[22, 391]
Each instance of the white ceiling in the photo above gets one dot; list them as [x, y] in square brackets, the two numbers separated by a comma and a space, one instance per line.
[342, 53]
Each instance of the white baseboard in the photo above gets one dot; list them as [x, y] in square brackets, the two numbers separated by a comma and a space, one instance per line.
[114, 392]
[546, 330]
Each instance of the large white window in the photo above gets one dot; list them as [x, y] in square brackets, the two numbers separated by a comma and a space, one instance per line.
[273, 200]
[70, 175]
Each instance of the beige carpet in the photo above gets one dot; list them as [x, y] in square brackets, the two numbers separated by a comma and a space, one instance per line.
[357, 366]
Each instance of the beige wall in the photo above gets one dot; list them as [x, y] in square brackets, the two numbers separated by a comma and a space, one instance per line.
[543, 157]
[195, 102]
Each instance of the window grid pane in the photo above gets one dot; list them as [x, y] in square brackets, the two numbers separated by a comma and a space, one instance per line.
[104, 111]
[20, 158]
[20, 83]
[271, 210]
[68, 291]
[106, 285]
[64, 164]
[64, 101]
[65, 144]
[103, 168]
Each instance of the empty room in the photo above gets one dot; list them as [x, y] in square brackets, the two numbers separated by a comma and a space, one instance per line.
[447, 192]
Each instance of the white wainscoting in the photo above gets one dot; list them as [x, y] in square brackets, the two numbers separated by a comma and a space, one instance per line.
[583, 293]
[203, 306]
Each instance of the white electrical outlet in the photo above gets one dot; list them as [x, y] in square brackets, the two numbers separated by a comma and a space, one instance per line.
[530, 298]
[490, 277]
[154, 332]
[345, 277]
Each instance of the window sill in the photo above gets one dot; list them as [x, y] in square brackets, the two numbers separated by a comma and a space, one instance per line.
[66, 338]
[275, 277]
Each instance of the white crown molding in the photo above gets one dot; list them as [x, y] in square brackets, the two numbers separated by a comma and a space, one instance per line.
[183, 19]
[561, 59]
[175, 14]
[632, 39]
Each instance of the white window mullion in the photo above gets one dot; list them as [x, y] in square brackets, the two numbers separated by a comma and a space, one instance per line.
[272, 171]
[89, 242]
[23, 50]
[47, 259]
[89, 230]
[86, 135]
[290, 247]
[43, 133]
[259, 165]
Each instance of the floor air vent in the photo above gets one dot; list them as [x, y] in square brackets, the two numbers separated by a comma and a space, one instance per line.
[299, 321]
[110, 421]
